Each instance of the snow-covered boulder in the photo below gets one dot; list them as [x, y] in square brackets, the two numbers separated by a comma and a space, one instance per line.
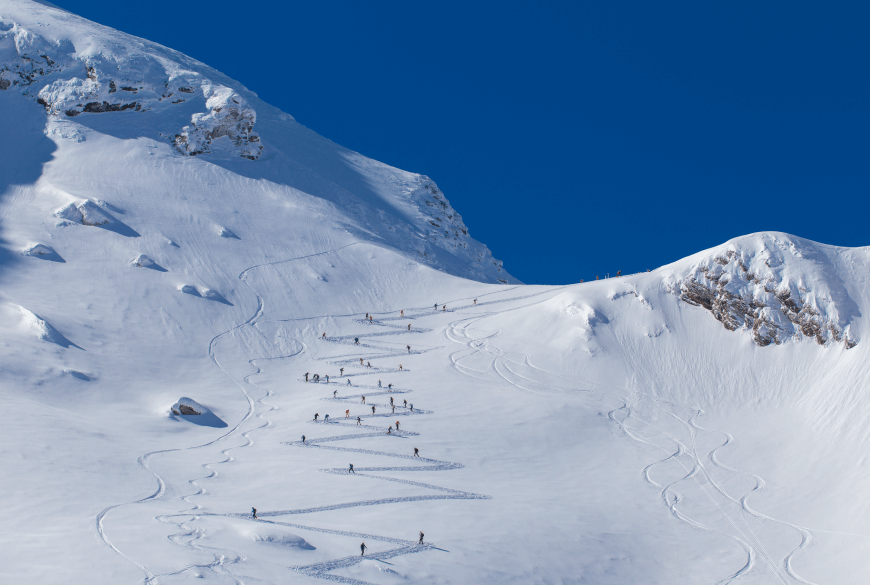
[38, 250]
[84, 212]
[192, 411]
[143, 261]
[187, 407]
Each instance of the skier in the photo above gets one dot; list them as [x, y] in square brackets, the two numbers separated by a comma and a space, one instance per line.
[397, 425]
[368, 364]
[367, 315]
[390, 387]
[370, 319]
[341, 372]
[475, 301]
[436, 306]
[326, 418]
[412, 407]
[363, 401]
[406, 403]
[390, 431]
[363, 548]
[350, 470]
[323, 336]
[391, 400]
[358, 421]
[356, 340]
[316, 414]
[327, 378]
[416, 452]
[444, 308]
[394, 409]
[254, 513]
[334, 392]
[348, 382]
[373, 408]
[347, 413]
[360, 361]
[421, 537]
[402, 312]
[379, 384]
[306, 376]
[303, 438]
[409, 326]
[409, 348]
[400, 367]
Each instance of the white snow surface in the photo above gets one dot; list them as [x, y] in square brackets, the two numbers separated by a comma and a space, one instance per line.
[693, 424]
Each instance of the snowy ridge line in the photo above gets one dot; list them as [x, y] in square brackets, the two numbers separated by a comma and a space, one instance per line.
[746, 536]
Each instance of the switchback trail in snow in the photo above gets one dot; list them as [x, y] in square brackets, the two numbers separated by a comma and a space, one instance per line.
[224, 560]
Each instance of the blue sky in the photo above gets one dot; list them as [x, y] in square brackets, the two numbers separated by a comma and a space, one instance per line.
[574, 138]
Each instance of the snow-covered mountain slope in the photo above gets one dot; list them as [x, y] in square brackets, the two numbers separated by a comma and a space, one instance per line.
[705, 422]
[143, 106]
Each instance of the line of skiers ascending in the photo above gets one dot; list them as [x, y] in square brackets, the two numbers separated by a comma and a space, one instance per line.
[363, 546]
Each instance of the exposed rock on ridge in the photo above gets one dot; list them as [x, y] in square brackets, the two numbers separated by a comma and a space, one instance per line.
[763, 293]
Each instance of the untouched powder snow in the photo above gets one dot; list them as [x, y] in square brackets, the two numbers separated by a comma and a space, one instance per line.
[705, 422]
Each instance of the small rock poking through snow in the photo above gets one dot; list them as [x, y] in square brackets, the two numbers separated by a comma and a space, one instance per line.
[187, 407]
[38, 250]
[143, 261]
[85, 213]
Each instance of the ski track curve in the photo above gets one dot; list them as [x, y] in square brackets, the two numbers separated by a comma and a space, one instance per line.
[224, 559]
[734, 510]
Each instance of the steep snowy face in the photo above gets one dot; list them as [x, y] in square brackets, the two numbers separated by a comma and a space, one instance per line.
[90, 78]
[775, 288]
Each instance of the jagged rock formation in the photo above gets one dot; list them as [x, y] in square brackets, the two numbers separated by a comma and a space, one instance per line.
[754, 291]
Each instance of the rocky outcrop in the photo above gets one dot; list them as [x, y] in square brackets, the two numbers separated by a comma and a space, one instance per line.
[187, 407]
[68, 84]
[229, 119]
[760, 292]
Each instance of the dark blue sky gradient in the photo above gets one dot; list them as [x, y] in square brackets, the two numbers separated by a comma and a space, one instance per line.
[574, 138]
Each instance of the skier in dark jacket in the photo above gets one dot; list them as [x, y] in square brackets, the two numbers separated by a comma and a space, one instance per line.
[254, 513]
[306, 376]
[363, 548]
[421, 537]
[350, 469]
[316, 414]
[416, 452]
[356, 340]
[303, 438]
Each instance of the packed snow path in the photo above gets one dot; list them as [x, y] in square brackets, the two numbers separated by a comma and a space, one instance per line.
[224, 559]
[695, 487]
